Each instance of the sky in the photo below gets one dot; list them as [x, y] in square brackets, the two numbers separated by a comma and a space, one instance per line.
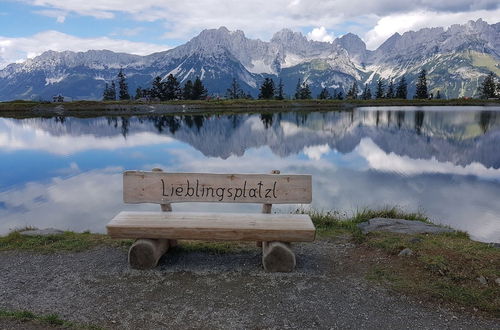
[30, 27]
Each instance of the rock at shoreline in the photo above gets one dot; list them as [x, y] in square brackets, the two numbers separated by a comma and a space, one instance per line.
[405, 252]
[400, 226]
[42, 232]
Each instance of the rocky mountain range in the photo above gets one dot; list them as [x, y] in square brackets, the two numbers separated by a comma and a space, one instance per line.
[456, 59]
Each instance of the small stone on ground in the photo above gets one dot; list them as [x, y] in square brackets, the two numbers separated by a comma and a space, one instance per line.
[482, 280]
[405, 252]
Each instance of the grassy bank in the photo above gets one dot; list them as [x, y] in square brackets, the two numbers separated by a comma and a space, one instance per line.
[53, 321]
[448, 268]
[68, 242]
[24, 109]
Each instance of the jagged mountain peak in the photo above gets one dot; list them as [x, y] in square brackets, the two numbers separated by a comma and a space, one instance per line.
[287, 36]
[355, 47]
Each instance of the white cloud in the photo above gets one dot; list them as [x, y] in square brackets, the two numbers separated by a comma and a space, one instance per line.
[316, 152]
[391, 162]
[15, 136]
[413, 21]
[320, 34]
[18, 49]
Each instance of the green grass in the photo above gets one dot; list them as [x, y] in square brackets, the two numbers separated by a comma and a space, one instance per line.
[336, 223]
[52, 320]
[68, 241]
[25, 109]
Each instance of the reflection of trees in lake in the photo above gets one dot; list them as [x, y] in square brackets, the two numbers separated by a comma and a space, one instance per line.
[419, 120]
[485, 120]
[267, 119]
[173, 123]
[400, 118]
[125, 126]
[458, 136]
[60, 119]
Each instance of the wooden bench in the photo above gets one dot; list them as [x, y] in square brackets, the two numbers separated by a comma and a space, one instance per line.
[157, 231]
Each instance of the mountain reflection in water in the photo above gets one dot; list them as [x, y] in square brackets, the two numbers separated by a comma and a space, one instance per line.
[65, 172]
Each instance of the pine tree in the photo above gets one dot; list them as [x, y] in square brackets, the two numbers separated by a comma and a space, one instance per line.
[390, 90]
[187, 91]
[199, 90]
[267, 89]
[421, 86]
[488, 87]
[324, 95]
[112, 91]
[172, 88]
[280, 95]
[138, 93]
[156, 88]
[340, 95]
[107, 95]
[235, 91]
[353, 92]
[402, 89]
[123, 86]
[297, 89]
[367, 93]
[438, 95]
[379, 93]
[305, 92]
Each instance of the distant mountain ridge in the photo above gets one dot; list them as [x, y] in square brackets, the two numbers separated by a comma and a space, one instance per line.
[456, 59]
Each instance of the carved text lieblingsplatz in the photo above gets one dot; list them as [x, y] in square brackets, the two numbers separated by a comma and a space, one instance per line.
[200, 190]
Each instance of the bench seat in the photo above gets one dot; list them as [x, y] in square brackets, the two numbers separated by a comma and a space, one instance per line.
[213, 226]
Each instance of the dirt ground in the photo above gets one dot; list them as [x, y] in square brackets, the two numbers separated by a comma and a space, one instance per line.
[206, 290]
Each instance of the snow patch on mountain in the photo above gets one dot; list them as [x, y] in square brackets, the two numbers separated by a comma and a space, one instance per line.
[55, 80]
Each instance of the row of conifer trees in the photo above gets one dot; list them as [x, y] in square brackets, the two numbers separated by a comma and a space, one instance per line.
[171, 89]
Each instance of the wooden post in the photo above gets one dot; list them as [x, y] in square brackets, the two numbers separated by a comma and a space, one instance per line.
[167, 207]
[267, 208]
[146, 252]
[277, 257]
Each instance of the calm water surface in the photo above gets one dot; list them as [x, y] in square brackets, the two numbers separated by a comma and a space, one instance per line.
[444, 161]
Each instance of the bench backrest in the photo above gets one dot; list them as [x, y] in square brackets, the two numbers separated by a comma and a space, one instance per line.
[163, 188]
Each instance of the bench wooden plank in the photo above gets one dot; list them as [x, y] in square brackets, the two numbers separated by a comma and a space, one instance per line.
[161, 188]
[213, 226]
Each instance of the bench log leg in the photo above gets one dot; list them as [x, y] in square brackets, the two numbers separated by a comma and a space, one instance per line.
[145, 253]
[277, 257]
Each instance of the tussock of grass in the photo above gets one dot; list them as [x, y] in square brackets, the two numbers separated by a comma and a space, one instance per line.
[52, 320]
[68, 241]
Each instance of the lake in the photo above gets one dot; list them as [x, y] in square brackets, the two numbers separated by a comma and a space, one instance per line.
[443, 161]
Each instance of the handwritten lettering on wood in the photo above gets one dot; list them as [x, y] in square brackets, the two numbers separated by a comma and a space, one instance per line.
[159, 187]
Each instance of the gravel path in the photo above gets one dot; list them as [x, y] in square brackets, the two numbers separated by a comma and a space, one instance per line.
[204, 290]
